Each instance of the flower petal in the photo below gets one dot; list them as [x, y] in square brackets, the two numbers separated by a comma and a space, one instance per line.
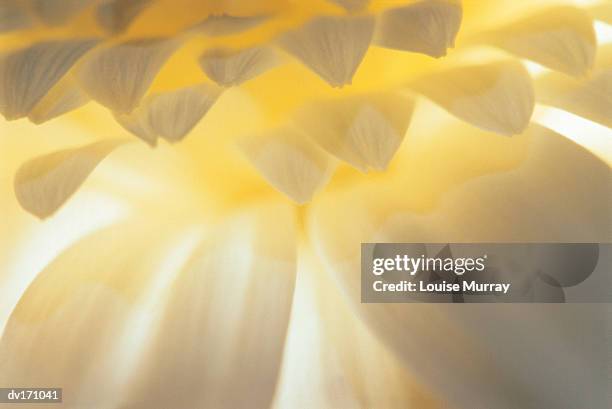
[489, 347]
[233, 67]
[497, 96]
[221, 338]
[560, 38]
[116, 15]
[590, 98]
[13, 16]
[352, 5]
[118, 76]
[29, 73]
[55, 12]
[89, 330]
[332, 47]
[332, 359]
[363, 130]
[427, 27]
[289, 162]
[223, 25]
[170, 115]
[65, 96]
[43, 184]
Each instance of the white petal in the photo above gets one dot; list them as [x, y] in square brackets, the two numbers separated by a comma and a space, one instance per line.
[364, 130]
[428, 27]
[289, 162]
[54, 12]
[170, 115]
[116, 15]
[13, 16]
[332, 359]
[65, 96]
[118, 76]
[559, 194]
[28, 74]
[90, 328]
[44, 183]
[222, 25]
[497, 96]
[590, 97]
[332, 47]
[352, 5]
[560, 38]
[233, 67]
[221, 338]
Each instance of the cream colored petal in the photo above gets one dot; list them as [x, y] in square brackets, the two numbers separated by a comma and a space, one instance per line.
[560, 194]
[137, 123]
[289, 162]
[590, 97]
[560, 38]
[221, 336]
[87, 314]
[65, 96]
[170, 115]
[498, 97]
[115, 16]
[364, 130]
[332, 47]
[13, 16]
[43, 184]
[118, 76]
[173, 115]
[427, 27]
[54, 12]
[224, 24]
[233, 67]
[28, 74]
[352, 5]
[333, 360]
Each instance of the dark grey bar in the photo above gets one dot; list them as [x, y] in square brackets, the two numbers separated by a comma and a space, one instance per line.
[486, 273]
[30, 395]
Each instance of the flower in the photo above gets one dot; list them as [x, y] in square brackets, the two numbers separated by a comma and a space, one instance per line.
[185, 186]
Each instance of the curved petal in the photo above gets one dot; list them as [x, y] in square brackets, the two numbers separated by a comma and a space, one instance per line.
[497, 96]
[43, 184]
[220, 339]
[589, 97]
[561, 38]
[64, 97]
[364, 130]
[84, 314]
[352, 5]
[333, 360]
[225, 24]
[170, 115]
[289, 162]
[55, 12]
[427, 26]
[491, 348]
[233, 67]
[332, 47]
[28, 74]
[115, 16]
[118, 76]
[13, 16]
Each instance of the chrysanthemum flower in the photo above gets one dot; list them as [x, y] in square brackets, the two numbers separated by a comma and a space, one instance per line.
[185, 185]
